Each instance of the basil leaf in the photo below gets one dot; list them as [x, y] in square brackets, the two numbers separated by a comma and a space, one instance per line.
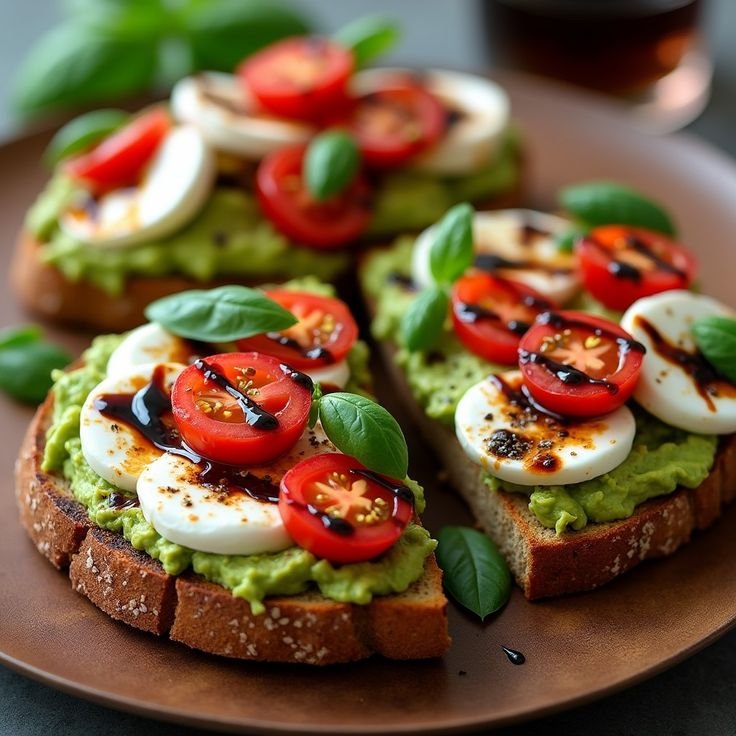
[716, 339]
[475, 573]
[331, 163]
[606, 203]
[565, 241]
[124, 19]
[221, 34]
[12, 337]
[25, 369]
[422, 323]
[314, 408]
[219, 315]
[76, 64]
[368, 38]
[363, 429]
[451, 252]
[79, 134]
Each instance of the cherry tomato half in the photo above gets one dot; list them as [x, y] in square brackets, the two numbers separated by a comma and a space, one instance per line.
[395, 123]
[579, 365]
[240, 408]
[324, 334]
[285, 200]
[621, 264]
[119, 160]
[301, 77]
[490, 314]
[335, 508]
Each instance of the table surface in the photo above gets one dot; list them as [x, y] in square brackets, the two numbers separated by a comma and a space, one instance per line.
[699, 695]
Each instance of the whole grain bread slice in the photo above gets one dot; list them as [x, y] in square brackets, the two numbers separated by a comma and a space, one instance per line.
[547, 565]
[133, 588]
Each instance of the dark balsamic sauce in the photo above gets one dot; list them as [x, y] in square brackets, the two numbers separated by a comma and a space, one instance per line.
[525, 401]
[316, 353]
[622, 270]
[399, 490]
[120, 502]
[254, 414]
[401, 279]
[491, 262]
[513, 655]
[472, 313]
[708, 381]
[301, 379]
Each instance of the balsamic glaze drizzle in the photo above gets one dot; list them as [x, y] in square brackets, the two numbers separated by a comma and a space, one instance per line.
[316, 353]
[513, 655]
[491, 262]
[398, 489]
[255, 415]
[621, 269]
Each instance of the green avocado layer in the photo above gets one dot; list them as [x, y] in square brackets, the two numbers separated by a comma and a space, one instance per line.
[251, 577]
[661, 459]
[230, 236]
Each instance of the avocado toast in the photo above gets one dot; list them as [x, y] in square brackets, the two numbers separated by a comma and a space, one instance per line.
[637, 495]
[206, 552]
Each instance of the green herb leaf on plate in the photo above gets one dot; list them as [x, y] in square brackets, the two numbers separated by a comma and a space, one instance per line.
[221, 34]
[75, 64]
[368, 38]
[12, 337]
[451, 252]
[81, 133]
[475, 573]
[422, 323]
[363, 429]
[606, 203]
[26, 363]
[219, 315]
[716, 339]
[331, 163]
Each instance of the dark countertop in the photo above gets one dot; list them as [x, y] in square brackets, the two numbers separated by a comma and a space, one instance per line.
[697, 696]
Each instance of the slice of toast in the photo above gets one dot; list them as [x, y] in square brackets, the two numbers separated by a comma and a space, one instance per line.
[132, 587]
[545, 564]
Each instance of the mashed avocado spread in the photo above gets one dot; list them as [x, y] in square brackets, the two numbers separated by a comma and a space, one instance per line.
[662, 457]
[251, 577]
[230, 236]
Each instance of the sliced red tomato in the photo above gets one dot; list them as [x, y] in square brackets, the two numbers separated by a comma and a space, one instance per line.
[395, 123]
[324, 334]
[335, 508]
[490, 314]
[620, 264]
[579, 365]
[302, 77]
[120, 159]
[285, 200]
[240, 408]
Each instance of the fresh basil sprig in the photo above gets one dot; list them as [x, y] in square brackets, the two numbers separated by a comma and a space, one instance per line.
[363, 429]
[331, 163]
[716, 339]
[607, 203]
[368, 38]
[107, 49]
[475, 573]
[26, 363]
[219, 315]
[82, 132]
[451, 252]
[422, 323]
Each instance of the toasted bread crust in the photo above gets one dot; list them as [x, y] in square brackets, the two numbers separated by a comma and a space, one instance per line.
[133, 588]
[546, 565]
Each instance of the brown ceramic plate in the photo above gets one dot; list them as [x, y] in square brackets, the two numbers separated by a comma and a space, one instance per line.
[577, 648]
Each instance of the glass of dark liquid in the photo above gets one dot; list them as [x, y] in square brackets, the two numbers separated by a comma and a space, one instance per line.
[650, 53]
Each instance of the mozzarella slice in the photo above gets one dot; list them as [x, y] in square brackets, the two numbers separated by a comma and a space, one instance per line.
[221, 109]
[149, 343]
[517, 443]
[479, 110]
[199, 511]
[115, 451]
[336, 374]
[667, 387]
[525, 238]
[177, 183]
